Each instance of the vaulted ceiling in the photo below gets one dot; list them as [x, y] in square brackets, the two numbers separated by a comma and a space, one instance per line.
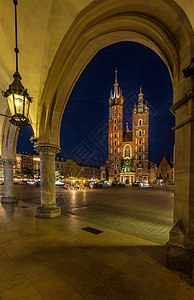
[42, 26]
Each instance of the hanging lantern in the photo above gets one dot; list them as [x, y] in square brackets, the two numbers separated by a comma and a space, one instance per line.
[16, 95]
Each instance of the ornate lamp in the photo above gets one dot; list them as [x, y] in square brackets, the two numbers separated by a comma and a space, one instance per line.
[17, 96]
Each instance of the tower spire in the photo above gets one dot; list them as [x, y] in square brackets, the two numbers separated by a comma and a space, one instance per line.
[116, 89]
[116, 75]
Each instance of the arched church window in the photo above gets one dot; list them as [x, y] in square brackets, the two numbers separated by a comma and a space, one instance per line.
[115, 151]
[140, 140]
[115, 120]
[115, 158]
[115, 172]
[140, 132]
[115, 143]
[115, 135]
[115, 128]
[127, 151]
[140, 122]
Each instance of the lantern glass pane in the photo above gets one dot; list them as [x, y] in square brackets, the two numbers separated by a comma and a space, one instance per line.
[26, 110]
[18, 99]
[11, 105]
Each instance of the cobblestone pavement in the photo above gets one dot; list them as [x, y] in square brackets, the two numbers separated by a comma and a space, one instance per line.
[145, 213]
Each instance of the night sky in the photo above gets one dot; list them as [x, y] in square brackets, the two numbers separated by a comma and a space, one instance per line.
[84, 128]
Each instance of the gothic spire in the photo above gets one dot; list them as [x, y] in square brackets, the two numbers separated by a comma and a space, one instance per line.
[115, 75]
[116, 90]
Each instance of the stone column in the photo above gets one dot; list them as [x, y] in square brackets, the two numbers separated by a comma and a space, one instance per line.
[48, 208]
[180, 255]
[8, 181]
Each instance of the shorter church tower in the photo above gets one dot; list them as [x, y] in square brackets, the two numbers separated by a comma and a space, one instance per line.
[115, 132]
[140, 123]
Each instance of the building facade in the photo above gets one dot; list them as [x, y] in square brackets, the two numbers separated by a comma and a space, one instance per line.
[165, 171]
[28, 165]
[128, 150]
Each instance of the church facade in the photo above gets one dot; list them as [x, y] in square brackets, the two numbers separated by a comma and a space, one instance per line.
[127, 150]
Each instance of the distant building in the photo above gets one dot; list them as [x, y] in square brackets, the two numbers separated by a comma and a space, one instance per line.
[152, 172]
[29, 164]
[128, 150]
[103, 173]
[90, 172]
[165, 170]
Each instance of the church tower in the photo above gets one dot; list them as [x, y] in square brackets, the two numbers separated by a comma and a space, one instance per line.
[115, 132]
[140, 123]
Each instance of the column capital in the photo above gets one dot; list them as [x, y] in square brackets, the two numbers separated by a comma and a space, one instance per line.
[47, 149]
[7, 162]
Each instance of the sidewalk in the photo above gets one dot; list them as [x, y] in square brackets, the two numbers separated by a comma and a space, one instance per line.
[57, 259]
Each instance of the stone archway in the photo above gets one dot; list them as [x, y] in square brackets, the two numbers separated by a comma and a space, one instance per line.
[164, 28]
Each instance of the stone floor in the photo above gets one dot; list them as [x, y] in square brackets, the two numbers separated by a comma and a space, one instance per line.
[56, 259]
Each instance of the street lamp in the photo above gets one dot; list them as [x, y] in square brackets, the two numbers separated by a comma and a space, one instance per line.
[16, 95]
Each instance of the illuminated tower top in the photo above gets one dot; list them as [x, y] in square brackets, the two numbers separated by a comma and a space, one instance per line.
[140, 107]
[116, 97]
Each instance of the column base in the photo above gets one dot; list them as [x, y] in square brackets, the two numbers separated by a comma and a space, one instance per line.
[180, 259]
[9, 200]
[48, 212]
[180, 250]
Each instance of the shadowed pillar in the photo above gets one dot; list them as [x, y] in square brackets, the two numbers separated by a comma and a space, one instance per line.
[8, 181]
[181, 239]
[48, 208]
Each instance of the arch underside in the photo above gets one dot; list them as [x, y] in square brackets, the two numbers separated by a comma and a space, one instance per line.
[89, 35]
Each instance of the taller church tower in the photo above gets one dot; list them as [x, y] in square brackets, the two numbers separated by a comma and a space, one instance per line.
[140, 123]
[115, 132]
